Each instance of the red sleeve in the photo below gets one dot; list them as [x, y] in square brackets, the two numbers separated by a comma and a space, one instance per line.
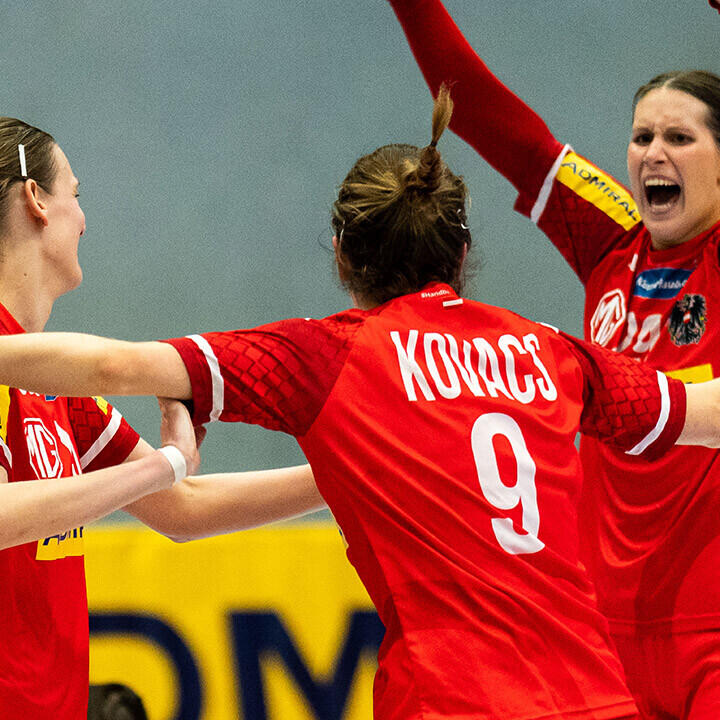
[103, 436]
[627, 404]
[582, 210]
[277, 375]
[498, 124]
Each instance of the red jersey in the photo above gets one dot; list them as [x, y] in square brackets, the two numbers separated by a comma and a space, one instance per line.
[43, 603]
[651, 542]
[441, 434]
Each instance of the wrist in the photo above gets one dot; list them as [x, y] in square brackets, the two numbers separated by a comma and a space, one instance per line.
[177, 461]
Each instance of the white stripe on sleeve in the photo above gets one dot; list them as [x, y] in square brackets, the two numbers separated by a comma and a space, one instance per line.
[6, 451]
[542, 198]
[102, 439]
[218, 384]
[655, 433]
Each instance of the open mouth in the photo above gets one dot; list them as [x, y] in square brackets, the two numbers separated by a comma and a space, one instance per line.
[661, 194]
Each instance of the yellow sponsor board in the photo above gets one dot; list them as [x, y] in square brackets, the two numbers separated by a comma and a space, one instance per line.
[270, 623]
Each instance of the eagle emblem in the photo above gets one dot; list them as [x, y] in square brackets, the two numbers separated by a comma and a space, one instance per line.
[687, 320]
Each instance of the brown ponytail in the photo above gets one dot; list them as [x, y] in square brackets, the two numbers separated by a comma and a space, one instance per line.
[400, 218]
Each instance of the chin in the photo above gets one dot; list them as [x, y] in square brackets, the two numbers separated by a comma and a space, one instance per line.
[667, 233]
[675, 231]
[73, 282]
[78, 278]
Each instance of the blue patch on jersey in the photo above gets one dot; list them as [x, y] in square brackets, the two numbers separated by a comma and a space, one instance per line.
[50, 398]
[660, 283]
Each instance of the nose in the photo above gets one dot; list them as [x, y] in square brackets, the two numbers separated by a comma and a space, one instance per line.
[655, 151]
[82, 229]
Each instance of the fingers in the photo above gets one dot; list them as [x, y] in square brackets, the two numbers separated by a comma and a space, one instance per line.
[176, 429]
[200, 433]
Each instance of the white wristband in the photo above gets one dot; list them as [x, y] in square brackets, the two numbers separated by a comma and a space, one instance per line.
[176, 460]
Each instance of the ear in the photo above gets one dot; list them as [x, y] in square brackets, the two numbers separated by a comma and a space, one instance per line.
[36, 206]
[339, 262]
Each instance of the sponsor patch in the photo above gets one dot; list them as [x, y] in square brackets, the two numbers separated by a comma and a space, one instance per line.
[593, 185]
[43, 451]
[4, 411]
[663, 283]
[102, 403]
[67, 544]
[694, 374]
[687, 320]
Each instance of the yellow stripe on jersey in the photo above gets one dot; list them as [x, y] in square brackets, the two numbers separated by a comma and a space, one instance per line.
[695, 374]
[600, 189]
[60, 546]
[4, 411]
[102, 403]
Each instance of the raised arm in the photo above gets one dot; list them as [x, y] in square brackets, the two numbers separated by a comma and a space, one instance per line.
[500, 126]
[33, 510]
[73, 364]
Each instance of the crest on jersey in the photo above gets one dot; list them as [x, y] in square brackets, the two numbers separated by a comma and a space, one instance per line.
[609, 315]
[687, 320]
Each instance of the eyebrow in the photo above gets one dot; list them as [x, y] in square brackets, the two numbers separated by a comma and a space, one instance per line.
[670, 126]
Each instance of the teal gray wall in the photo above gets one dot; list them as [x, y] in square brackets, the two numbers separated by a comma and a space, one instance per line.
[209, 138]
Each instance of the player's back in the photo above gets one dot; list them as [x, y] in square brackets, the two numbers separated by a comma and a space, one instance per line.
[446, 452]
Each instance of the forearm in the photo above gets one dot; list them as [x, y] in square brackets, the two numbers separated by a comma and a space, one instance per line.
[500, 126]
[73, 364]
[222, 503]
[702, 416]
[36, 509]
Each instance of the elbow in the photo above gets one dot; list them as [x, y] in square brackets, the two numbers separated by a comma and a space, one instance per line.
[180, 538]
[174, 532]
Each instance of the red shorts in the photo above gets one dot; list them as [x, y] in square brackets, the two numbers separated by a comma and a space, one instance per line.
[673, 676]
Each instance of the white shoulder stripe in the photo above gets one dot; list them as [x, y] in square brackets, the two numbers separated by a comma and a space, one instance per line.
[654, 434]
[102, 439]
[218, 384]
[542, 198]
[6, 451]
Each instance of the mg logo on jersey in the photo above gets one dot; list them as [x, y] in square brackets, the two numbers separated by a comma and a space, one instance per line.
[42, 449]
[609, 315]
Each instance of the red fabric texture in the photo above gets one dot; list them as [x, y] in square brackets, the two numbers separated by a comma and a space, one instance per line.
[414, 416]
[43, 603]
[646, 527]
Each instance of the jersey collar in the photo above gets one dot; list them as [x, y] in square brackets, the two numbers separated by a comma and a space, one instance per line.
[437, 291]
[8, 324]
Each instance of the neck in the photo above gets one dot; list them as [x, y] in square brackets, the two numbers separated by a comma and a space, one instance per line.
[362, 303]
[661, 242]
[24, 289]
